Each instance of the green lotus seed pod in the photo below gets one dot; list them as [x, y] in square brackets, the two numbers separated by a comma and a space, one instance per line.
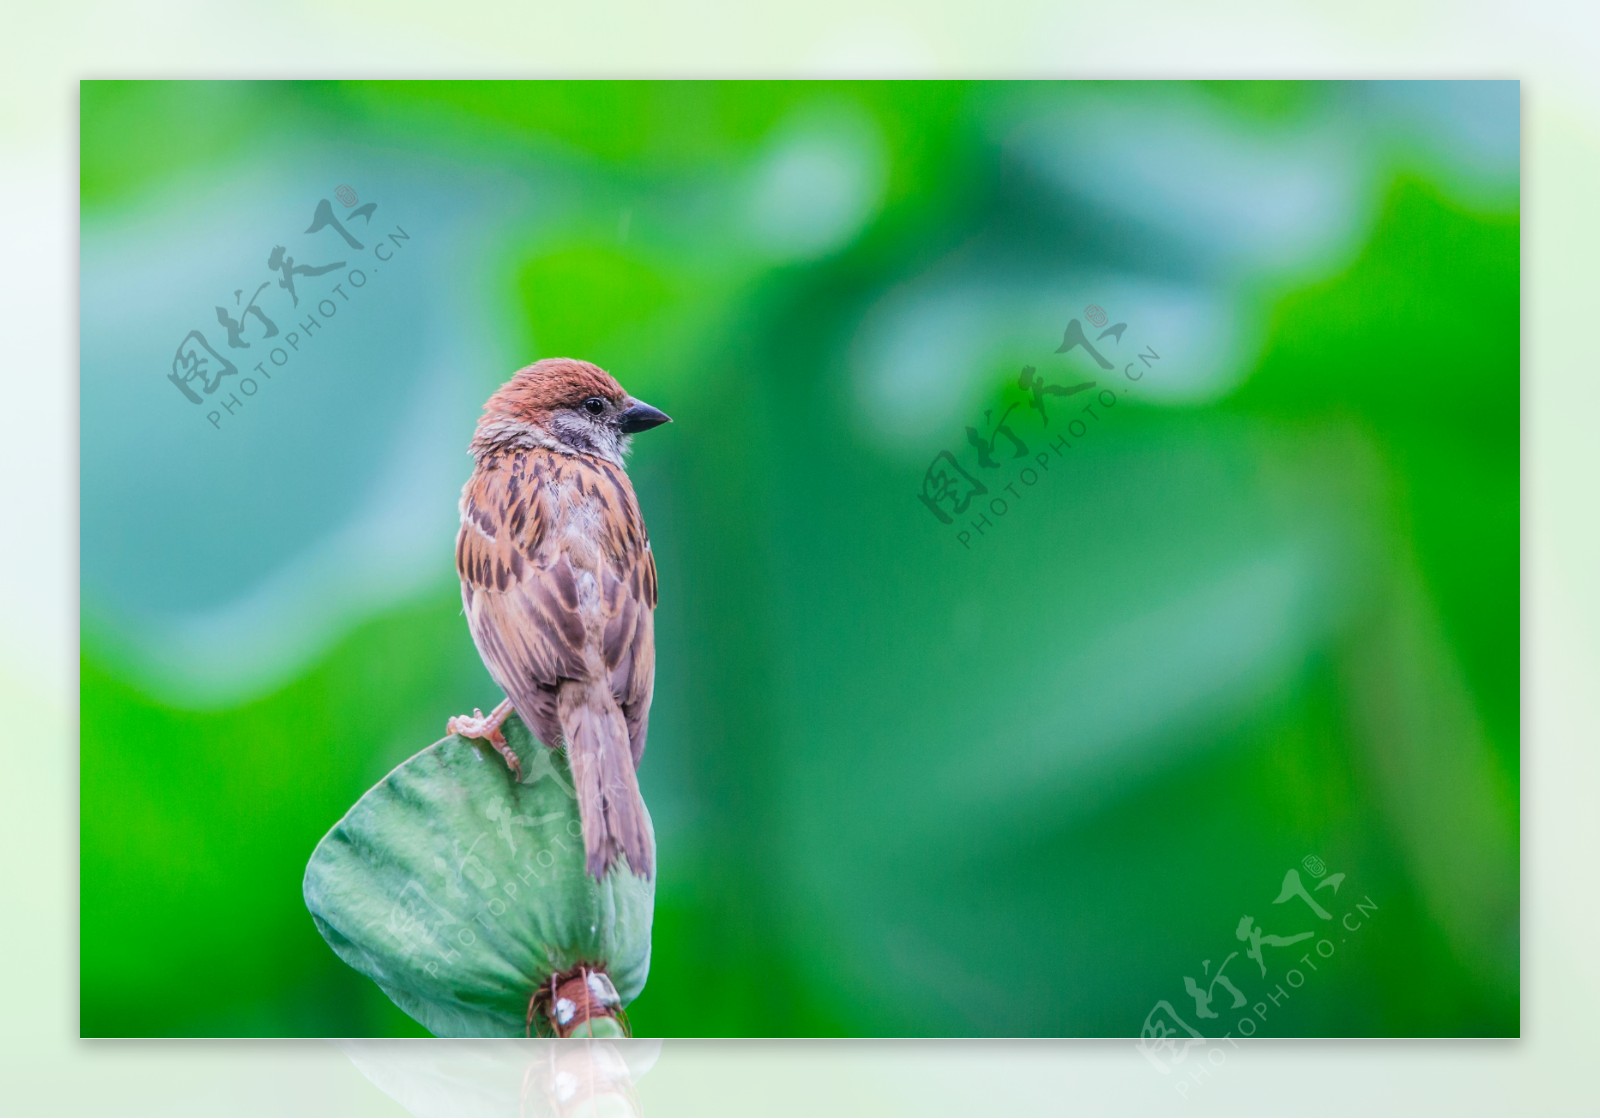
[463, 895]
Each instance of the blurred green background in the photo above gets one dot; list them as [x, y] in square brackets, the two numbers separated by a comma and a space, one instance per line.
[1266, 608]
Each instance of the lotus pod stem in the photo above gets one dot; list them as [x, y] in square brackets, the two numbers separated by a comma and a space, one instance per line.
[580, 1002]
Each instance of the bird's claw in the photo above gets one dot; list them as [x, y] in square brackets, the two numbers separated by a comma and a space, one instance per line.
[478, 725]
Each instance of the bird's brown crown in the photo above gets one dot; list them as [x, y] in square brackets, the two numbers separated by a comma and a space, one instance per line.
[556, 382]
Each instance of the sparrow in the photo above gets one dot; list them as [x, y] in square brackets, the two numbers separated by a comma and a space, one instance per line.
[559, 589]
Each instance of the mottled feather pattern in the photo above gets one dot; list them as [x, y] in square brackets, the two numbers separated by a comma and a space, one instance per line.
[559, 586]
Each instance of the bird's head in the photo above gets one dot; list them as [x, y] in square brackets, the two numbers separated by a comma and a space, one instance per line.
[564, 405]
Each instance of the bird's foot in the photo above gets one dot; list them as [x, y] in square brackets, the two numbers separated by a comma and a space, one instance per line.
[479, 725]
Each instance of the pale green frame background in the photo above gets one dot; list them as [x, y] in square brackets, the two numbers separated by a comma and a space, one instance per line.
[44, 1069]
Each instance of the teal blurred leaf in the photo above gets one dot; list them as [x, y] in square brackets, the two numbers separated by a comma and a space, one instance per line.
[459, 891]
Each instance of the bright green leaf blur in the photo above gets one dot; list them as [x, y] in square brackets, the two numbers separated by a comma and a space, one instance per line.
[904, 783]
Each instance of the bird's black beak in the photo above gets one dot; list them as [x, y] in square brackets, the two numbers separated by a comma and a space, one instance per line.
[641, 417]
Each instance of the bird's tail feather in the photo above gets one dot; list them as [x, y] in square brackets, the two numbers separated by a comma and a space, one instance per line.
[614, 821]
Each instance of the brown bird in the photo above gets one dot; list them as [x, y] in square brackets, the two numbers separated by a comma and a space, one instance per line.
[560, 587]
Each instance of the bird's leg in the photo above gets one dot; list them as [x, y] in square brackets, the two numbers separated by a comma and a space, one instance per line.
[479, 725]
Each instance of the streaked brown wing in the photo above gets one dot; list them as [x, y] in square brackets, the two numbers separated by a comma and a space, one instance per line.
[628, 597]
[520, 586]
[528, 638]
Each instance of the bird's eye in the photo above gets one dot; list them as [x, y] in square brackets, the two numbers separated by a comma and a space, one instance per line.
[594, 406]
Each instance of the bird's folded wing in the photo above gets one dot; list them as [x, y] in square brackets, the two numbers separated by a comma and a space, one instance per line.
[519, 584]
